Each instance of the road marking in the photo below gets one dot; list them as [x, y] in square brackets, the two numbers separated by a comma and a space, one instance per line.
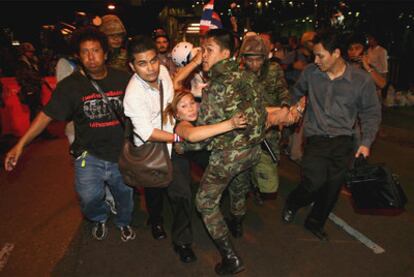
[5, 254]
[359, 236]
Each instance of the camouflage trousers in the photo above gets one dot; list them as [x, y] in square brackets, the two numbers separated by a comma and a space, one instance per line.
[226, 168]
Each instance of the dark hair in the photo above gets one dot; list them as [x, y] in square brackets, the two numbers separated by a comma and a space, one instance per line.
[223, 38]
[140, 44]
[331, 41]
[85, 34]
[356, 38]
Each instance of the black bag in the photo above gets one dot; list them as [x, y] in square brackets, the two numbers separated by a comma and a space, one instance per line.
[375, 187]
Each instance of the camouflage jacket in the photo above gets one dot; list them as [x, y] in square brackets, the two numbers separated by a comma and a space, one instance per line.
[273, 85]
[230, 91]
[119, 60]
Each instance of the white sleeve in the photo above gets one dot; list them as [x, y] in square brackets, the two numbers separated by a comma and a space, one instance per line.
[383, 60]
[138, 109]
[63, 69]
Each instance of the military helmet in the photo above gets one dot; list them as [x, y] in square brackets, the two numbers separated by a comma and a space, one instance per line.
[111, 24]
[254, 45]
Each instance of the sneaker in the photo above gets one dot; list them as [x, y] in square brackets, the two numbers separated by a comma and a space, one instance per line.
[99, 230]
[111, 204]
[127, 233]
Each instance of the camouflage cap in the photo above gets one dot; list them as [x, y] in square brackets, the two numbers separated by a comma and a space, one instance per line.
[253, 46]
[111, 24]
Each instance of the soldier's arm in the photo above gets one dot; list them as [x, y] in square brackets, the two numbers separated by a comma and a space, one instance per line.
[279, 90]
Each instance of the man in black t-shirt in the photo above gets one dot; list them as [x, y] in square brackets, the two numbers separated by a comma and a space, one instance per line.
[98, 136]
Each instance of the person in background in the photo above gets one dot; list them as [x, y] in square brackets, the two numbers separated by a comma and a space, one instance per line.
[29, 79]
[358, 57]
[254, 54]
[162, 41]
[115, 30]
[377, 55]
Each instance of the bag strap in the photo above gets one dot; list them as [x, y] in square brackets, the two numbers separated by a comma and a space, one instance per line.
[161, 103]
[105, 98]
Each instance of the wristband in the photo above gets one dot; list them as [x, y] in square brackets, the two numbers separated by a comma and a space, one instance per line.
[177, 138]
[300, 109]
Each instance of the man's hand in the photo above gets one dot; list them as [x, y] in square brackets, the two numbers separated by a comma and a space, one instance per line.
[238, 121]
[276, 116]
[12, 157]
[362, 150]
[198, 58]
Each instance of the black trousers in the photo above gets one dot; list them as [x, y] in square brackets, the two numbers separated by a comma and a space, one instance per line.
[324, 166]
[180, 198]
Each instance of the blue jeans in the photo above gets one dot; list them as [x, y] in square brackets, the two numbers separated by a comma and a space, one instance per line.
[91, 174]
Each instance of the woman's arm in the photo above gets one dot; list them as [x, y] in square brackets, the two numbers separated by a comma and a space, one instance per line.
[198, 133]
[184, 72]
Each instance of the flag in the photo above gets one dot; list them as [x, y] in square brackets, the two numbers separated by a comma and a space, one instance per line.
[209, 19]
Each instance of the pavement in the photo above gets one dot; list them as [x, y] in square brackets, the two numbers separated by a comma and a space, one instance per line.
[42, 232]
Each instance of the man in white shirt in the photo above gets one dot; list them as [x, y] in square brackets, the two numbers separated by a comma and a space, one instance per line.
[377, 55]
[142, 106]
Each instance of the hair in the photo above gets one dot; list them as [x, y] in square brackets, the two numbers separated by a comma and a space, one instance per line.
[170, 111]
[331, 41]
[88, 34]
[223, 38]
[356, 38]
[140, 44]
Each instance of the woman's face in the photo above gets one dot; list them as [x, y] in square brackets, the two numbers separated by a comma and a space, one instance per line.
[187, 109]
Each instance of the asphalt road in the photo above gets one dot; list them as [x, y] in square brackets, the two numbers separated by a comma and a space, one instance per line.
[43, 233]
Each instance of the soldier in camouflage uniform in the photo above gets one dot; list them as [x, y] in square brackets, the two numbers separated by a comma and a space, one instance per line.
[232, 154]
[271, 81]
[115, 31]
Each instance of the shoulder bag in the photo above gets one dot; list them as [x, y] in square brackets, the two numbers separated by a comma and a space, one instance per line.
[148, 165]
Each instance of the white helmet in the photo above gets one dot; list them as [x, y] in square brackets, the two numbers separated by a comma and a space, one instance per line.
[182, 53]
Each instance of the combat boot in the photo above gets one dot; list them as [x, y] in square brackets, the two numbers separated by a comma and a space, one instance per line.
[230, 262]
[235, 225]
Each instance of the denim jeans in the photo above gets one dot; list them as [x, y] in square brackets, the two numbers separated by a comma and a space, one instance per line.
[91, 175]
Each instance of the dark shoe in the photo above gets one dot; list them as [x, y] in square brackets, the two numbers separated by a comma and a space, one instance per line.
[185, 252]
[158, 232]
[317, 231]
[235, 225]
[231, 263]
[288, 215]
